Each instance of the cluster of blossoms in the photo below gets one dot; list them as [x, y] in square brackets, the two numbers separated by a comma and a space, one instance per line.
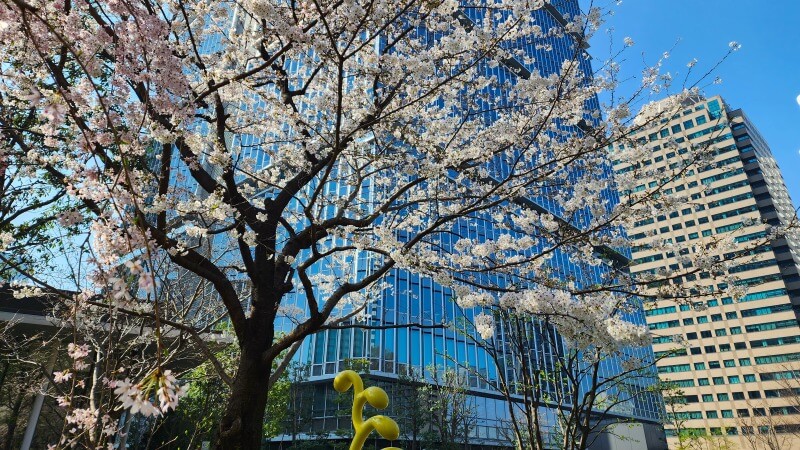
[83, 421]
[587, 320]
[6, 239]
[484, 325]
[24, 290]
[78, 353]
[137, 396]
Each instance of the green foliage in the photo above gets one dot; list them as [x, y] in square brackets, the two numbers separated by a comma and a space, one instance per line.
[277, 406]
[692, 439]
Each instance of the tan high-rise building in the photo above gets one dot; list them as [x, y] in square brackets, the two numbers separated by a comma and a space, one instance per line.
[739, 368]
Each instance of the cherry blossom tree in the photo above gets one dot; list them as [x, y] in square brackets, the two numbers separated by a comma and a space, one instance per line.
[557, 386]
[288, 155]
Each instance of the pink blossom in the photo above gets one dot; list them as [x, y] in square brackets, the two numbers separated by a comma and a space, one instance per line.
[55, 113]
[60, 377]
[77, 351]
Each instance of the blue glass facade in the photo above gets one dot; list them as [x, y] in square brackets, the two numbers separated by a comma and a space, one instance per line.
[412, 298]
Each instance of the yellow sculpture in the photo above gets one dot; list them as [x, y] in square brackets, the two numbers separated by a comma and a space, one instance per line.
[377, 398]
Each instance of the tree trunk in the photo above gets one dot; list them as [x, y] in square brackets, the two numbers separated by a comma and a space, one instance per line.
[3, 374]
[13, 419]
[242, 424]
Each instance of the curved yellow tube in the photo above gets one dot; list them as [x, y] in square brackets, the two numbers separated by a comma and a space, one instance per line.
[377, 398]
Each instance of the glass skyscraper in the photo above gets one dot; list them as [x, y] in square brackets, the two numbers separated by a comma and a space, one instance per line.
[411, 298]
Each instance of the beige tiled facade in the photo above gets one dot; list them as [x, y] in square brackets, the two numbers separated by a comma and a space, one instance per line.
[739, 372]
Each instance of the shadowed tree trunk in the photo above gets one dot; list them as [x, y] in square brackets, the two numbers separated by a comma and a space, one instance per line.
[241, 426]
[12, 420]
[243, 421]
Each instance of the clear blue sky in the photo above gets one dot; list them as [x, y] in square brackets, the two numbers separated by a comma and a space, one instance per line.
[763, 78]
